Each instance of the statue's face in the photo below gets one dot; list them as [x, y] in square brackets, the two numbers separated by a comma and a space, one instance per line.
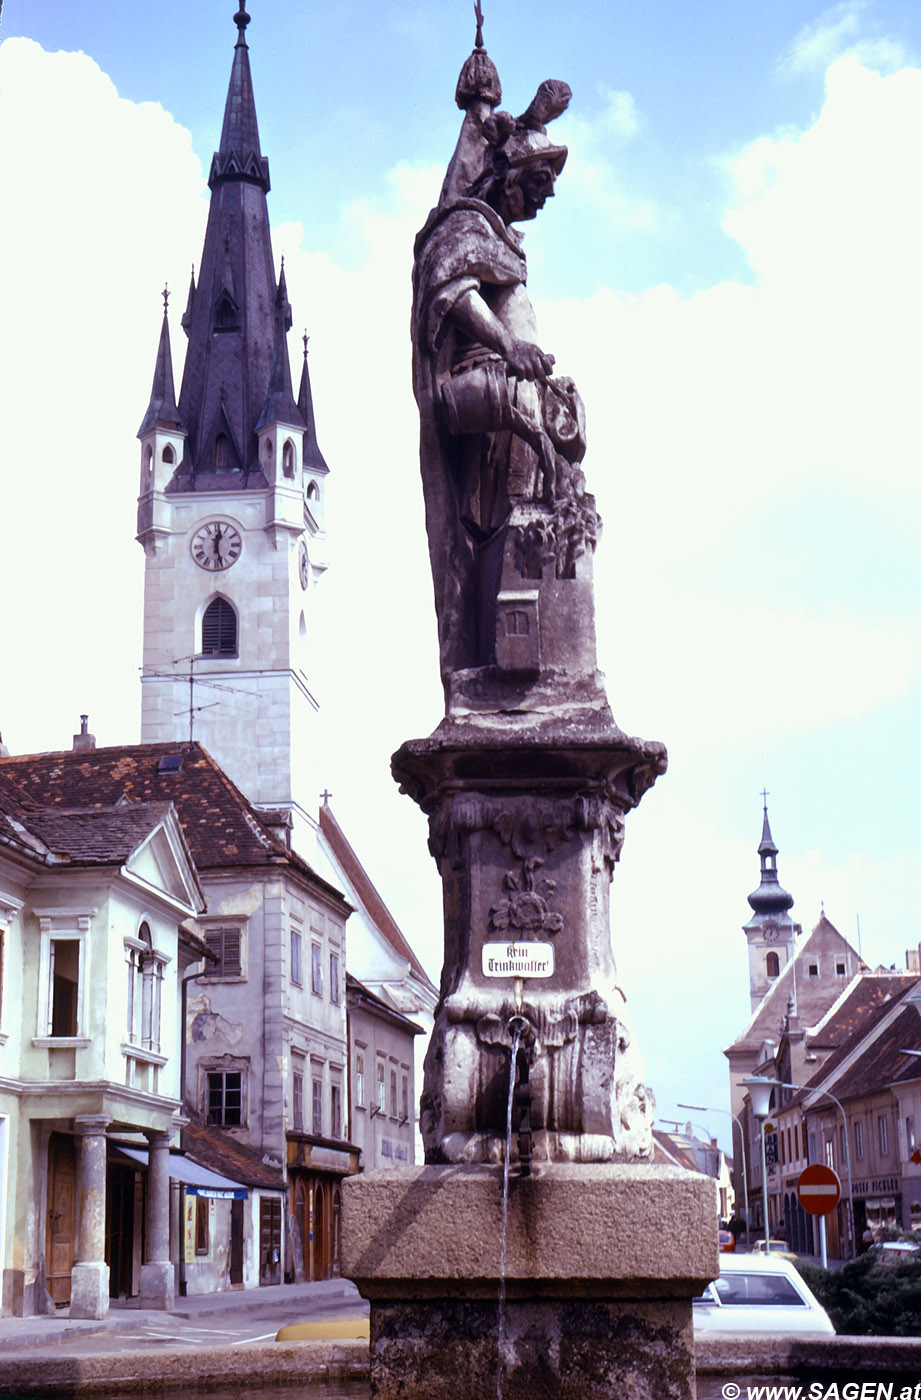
[526, 190]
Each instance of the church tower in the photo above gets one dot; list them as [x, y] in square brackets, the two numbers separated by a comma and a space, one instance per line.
[231, 503]
[771, 932]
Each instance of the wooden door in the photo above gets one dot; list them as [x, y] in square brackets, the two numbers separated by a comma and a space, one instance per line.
[269, 1240]
[319, 1252]
[60, 1235]
[236, 1244]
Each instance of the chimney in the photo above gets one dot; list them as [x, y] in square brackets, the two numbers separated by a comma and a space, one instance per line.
[84, 740]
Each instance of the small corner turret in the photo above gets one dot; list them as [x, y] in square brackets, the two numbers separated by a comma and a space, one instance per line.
[280, 427]
[161, 433]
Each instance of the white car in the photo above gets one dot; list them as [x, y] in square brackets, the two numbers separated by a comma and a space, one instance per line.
[759, 1296]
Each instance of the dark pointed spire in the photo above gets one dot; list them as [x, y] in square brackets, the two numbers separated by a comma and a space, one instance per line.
[231, 314]
[239, 155]
[313, 458]
[279, 406]
[162, 407]
[770, 897]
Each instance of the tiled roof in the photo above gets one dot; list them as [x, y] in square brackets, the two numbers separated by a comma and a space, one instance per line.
[93, 837]
[222, 828]
[881, 1061]
[78, 835]
[867, 993]
[360, 881]
[216, 1149]
[358, 989]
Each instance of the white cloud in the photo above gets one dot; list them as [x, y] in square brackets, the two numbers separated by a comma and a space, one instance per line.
[708, 415]
[593, 183]
[840, 30]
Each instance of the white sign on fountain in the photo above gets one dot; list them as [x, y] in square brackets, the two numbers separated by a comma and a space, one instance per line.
[517, 959]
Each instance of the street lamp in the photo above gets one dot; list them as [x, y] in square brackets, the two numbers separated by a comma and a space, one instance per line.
[784, 1084]
[702, 1108]
[759, 1093]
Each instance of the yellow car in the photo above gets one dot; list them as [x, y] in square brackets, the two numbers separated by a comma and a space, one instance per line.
[780, 1248]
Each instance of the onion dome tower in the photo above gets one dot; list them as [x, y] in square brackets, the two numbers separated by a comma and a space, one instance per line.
[771, 932]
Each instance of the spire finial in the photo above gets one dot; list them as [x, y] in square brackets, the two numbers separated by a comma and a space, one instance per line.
[764, 797]
[165, 295]
[478, 11]
[305, 337]
[241, 20]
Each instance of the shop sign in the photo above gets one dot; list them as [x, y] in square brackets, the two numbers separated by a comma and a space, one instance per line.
[878, 1186]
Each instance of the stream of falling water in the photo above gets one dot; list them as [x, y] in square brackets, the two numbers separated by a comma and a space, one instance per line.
[500, 1363]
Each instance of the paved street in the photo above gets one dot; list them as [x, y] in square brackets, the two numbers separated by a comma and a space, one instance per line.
[233, 1319]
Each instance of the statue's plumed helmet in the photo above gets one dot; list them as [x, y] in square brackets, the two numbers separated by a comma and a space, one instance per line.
[492, 143]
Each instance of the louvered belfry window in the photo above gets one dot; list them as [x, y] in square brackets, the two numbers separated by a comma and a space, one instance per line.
[219, 629]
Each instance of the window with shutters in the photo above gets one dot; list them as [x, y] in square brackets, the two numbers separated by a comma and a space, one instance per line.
[335, 1107]
[219, 629]
[298, 1096]
[393, 1093]
[226, 944]
[317, 1116]
[334, 977]
[297, 944]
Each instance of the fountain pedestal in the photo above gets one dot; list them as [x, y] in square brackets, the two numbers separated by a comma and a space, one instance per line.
[602, 1262]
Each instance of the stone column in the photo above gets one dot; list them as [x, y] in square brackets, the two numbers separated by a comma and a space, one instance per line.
[157, 1273]
[89, 1286]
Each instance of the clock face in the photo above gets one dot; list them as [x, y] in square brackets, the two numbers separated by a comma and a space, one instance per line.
[303, 564]
[216, 545]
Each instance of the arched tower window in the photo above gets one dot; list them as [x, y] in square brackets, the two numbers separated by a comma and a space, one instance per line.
[772, 965]
[288, 458]
[221, 452]
[219, 629]
[313, 492]
[168, 454]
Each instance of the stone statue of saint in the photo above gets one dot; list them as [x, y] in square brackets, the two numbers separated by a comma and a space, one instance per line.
[502, 437]
[527, 778]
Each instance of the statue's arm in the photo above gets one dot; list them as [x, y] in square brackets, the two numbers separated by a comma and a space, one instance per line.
[472, 315]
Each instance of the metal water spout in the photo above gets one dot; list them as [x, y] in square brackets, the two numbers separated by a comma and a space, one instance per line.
[523, 1105]
[520, 1096]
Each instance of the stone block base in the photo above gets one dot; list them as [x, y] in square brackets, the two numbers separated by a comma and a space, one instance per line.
[158, 1285]
[89, 1290]
[567, 1349]
[601, 1264]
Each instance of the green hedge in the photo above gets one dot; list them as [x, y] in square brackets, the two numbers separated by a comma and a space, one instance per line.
[864, 1299]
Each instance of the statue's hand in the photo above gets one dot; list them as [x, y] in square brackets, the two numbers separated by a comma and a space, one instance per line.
[528, 361]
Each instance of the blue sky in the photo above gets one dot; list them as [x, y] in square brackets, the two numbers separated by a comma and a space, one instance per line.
[729, 270]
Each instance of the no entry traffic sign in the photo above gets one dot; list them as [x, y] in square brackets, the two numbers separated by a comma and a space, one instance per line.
[819, 1189]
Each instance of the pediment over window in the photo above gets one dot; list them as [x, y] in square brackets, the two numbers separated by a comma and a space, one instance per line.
[162, 865]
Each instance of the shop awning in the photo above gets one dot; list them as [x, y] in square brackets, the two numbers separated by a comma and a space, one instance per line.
[197, 1180]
